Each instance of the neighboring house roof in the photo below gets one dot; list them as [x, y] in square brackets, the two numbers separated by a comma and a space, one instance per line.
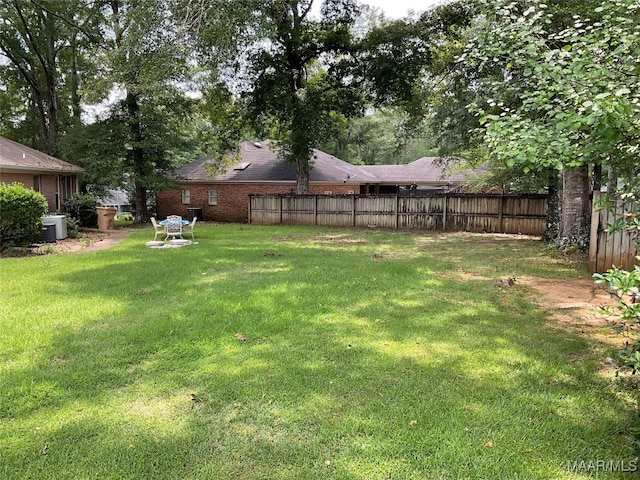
[424, 171]
[115, 197]
[260, 164]
[17, 157]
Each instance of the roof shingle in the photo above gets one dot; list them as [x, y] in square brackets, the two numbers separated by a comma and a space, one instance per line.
[262, 165]
[15, 156]
[266, 166]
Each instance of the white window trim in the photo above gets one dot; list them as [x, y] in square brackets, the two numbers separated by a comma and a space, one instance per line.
[186, 196]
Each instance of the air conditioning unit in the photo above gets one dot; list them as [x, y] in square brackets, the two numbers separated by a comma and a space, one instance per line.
[60, 221]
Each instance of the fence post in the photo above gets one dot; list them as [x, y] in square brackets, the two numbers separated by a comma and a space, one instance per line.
[315, 209]
[470, 209]
[397, 209]
[501, 214]
[593, 237]
[353, 210]
[444, 211]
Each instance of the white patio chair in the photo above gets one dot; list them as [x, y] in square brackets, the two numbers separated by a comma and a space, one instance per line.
[188, 228]
[173, 228]
[157, 228]
[174, 218]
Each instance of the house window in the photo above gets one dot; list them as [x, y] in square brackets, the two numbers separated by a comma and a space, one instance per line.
[213, 197]
[57, 192]
[68, 187]
[186, 196]
[36, 183]
[64, 189]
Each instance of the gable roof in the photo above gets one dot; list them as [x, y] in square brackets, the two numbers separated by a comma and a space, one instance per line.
[262, 164]
[258, 163]
[17, 157]
[424, 171]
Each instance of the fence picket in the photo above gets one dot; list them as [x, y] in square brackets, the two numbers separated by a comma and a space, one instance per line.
[523, 214]
[607, 250]
[476, 213]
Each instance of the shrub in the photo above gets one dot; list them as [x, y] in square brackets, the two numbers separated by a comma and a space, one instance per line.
[126, 216]
[72, 226]
[82, 207]
[21, 211]
[625, 287]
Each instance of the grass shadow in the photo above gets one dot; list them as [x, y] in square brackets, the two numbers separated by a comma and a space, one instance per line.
[349, 365]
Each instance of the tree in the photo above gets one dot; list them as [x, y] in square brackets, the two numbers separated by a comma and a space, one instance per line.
[41, 42]
[577, 93]
[469, 76]
[295, 98]
[379, 138]
[288, 69]
[457, 81]
[304, 78]
[143, 61]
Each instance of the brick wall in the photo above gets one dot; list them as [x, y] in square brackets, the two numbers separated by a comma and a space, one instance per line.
[47, 185]
[233, 199]
[48, 189]
[25, 179]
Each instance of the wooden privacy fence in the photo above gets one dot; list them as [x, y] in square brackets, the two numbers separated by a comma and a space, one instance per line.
[524, 214]
[609, 249]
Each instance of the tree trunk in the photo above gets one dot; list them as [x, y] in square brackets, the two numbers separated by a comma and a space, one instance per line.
[52, 117]
[37, 64]
[554, 209]
[38, 105]
[137, 156]
[142, 212]
[612, 180]
[50, 67]
[576, 207]
[302, 176]
[596, 172]
[75, 82]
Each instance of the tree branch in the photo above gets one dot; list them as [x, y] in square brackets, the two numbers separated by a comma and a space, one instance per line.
[29, 36]
[72, 24]
[31, 79]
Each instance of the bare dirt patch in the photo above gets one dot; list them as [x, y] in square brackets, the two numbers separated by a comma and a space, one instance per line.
[99, 240]
[573, 305]
[88, 240]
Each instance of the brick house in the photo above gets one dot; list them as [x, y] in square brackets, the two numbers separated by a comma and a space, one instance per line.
[54, 178]
[259, 170]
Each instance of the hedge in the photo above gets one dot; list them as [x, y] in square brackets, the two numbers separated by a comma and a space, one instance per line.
[21, 211]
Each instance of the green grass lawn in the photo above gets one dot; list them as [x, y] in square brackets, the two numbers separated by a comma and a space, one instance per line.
[298, 353]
